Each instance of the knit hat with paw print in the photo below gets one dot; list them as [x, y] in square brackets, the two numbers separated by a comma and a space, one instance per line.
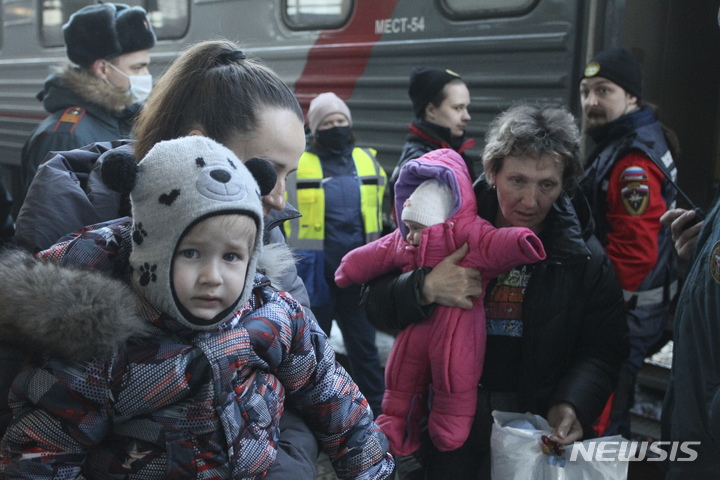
[179, 183]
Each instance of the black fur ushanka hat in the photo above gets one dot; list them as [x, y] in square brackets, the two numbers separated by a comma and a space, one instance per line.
[106, 30]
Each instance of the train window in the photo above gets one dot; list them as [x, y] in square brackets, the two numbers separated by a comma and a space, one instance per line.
[53, 15]
[316, 14]
[485, 8]
[169, 18]
[17, 12]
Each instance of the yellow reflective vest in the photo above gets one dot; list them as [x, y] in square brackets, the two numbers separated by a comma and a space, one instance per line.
[307, 194]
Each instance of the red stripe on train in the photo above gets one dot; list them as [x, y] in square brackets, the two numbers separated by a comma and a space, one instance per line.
[339, 68]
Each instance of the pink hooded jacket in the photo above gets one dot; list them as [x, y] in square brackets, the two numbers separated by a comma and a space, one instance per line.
[444, 354]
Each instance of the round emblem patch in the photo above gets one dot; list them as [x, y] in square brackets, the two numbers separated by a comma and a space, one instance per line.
[715, 263]
[592, 69]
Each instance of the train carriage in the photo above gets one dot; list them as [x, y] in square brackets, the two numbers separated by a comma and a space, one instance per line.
[505, 50]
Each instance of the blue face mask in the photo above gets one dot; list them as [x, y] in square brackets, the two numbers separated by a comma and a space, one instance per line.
[335, 138]
[140, 85]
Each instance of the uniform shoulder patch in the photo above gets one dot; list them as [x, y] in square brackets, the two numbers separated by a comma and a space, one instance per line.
[714, 263]
[69, 119]
[634, 190]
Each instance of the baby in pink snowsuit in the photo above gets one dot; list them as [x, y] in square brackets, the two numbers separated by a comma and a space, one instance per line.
[444, 355]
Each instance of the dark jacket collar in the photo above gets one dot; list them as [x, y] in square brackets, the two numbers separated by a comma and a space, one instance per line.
[74, 86]
[439, 136]
[324, 152]
[277, 217]
[620, 127]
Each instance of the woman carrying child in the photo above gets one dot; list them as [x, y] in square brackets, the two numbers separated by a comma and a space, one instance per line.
[212, 89]
[555, 329]
[439, 361]
[186, 374]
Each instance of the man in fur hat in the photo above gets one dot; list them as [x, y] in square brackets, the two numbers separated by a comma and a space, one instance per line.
[96, 97]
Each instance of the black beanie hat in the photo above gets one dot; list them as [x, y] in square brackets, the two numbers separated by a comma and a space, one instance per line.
[618, 65]
[425, 84]
[106, 30]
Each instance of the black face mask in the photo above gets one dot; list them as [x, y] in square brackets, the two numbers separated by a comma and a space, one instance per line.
[336, 138]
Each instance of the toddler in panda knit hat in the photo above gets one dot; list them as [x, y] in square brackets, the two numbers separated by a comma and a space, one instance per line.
[185, 372]
[196, 217]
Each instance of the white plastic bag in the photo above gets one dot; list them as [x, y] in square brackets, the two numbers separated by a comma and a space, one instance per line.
[516, 453]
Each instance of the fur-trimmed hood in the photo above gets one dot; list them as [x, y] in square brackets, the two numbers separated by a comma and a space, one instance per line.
[76, 314]
[69, 85]
[276, 262]
[67, 312]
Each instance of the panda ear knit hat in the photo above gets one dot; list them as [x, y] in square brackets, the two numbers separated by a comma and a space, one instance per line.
[179, 183]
